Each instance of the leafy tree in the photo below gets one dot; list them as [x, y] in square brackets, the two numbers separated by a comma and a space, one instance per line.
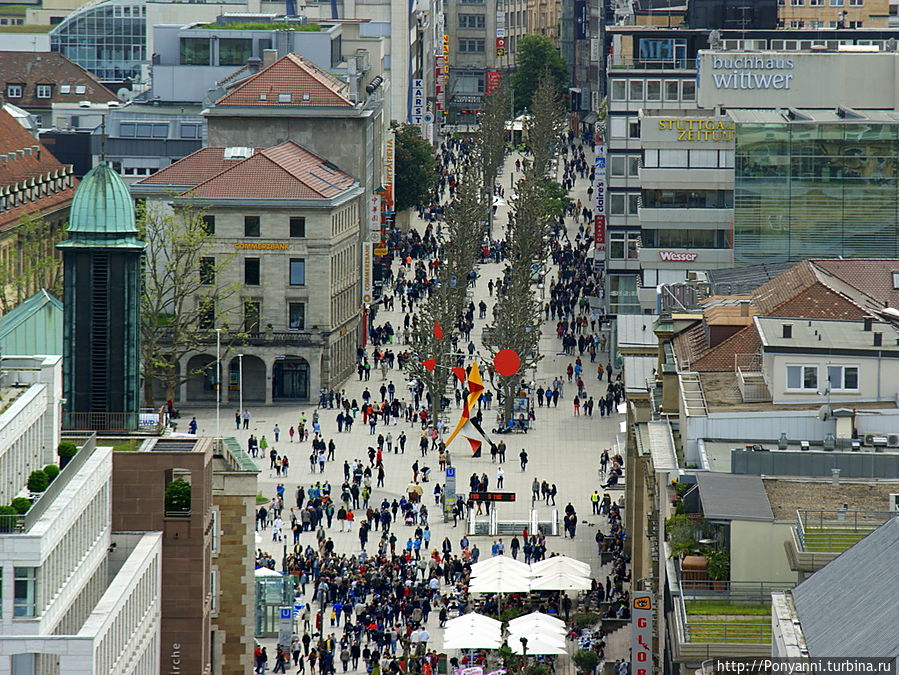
[52, 472]
[8, 518]
[416, 174]
[183, 298]
[537, 56]
[177, 495]
[21, 505]
[33, 262]
[38, 481]
[586, 660]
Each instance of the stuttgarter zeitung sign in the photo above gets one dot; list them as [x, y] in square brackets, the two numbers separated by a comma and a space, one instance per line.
[699, 130]
[751, 72]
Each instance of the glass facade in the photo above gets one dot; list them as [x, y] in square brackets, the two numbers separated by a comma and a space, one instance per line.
[805, 190]
[108, 38]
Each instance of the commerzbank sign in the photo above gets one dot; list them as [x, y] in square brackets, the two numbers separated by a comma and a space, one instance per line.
[751, 72]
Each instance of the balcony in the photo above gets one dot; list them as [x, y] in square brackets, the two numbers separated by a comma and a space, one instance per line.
[255, 339]
[617, 62]
[820, 536]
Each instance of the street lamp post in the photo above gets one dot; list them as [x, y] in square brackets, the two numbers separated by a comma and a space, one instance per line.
[240, 380]
[218, 383]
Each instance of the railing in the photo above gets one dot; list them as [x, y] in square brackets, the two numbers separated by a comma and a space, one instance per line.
[17, 524]
[835, 531]
[727, 632]
[255, 338]
[149, 422]
[616, 62]
[177, 514]
[732, 591]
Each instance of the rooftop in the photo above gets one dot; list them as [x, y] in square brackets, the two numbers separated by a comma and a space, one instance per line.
[636, 330]
[732, 497]
[825, 334]
[70, 83]
[102, 211]
[285, 171]
[787, 495]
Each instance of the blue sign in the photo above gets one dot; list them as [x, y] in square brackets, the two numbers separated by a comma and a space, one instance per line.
[287, 612]
[450, 472]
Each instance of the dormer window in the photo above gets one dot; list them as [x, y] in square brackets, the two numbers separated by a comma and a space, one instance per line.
[284, 98]
[14, 90]
[45, 91]
[895, 280]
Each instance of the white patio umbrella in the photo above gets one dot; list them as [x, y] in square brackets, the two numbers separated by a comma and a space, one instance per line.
[535, 617]
[474, 621]
[500, 564]
[266, 572]
[500, 583]
[560, 563]
[538, 643]
[472, 639]
[560, 582]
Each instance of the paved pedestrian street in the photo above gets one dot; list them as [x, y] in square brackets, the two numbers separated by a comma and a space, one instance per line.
[563, 449]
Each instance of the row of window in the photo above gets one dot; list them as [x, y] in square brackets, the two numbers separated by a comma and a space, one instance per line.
[471, 45]
[252, 226]
[252, 315]
[624, 245]
[805, 378]
[684, 237]
[473, 21]
[653, 90]
[822, 24]
[624, 203]
[195, 51]
[688, 199]
[820, 3]
[188, 130]
[688, 159]
[17, 89]
[252, 271]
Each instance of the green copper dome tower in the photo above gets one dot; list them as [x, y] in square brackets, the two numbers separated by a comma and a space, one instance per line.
[101, 336]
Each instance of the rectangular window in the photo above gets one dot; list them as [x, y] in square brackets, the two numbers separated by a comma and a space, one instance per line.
[296, 316]
[216, 533]
[190, 131]
[297, 272]
[616, 245]
[160, 131]
[616, 204]
[251, 227]
[471, 21]
[688, 90]
[633, 129]
[617, 165]
[671, 90]
[856, 3]
[816, 3]
[633, 203]
[653, 90]
[797, 3]
[25, 591]
[633, 245]
[651, 158]
[195, 52]
[251, 269]
[127, 129]
[619, 90]
[703, 158]
[252, 312]
[44, 91]
[205, 313]
[471, 45]
[618, 127]
[836, 3]
[14, 91]
[235, 51]
[633, 165]
[802, 378]
[209, 224]
[636, 90]
[207, 271]
[298, 226]
[842, 378]
[672, 159]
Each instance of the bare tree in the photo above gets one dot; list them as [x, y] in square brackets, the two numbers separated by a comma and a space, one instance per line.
[445, 306]
[32, 262]
[543, 128]
[491, 143]
[182, 298]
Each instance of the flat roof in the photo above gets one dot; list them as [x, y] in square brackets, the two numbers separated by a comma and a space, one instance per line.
[661, 446]
[638, 369]
[825, 334]
[787, 495]
[636, 330]
[733, 497]
[808, 115]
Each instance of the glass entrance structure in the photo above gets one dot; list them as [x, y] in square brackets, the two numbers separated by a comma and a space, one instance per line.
[815, 184]
[106, 37]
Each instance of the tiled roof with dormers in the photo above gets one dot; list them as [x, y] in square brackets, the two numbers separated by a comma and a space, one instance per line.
[32, 181]
[872, 276]
[68, 82]
[285, 171]
[289, 81]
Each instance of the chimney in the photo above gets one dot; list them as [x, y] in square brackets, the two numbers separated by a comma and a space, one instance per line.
[744, 308]
[835, 477]
[869, 321]
[878, 339]
[269, 56]
[254, 64]
[787, 330]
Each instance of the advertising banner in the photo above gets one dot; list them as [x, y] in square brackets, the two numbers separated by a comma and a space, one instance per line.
[417, 109]
[368, 273]
[494, 78]
[641, 635]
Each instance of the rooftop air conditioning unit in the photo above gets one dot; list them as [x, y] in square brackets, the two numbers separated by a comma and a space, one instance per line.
[880, 441]
[893, 440]
[869, 438]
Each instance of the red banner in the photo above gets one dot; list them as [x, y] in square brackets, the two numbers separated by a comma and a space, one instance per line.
[494, 77]
[599, 232]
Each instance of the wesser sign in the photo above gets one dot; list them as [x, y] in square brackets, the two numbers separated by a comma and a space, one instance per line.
[678, 256]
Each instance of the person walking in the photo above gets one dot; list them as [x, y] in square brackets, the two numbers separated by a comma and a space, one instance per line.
[523, 456]
[500, 474]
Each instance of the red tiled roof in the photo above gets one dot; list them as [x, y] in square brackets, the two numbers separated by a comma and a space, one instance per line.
[285, 171]
[291, 77]
[33, 68]
[872, 276]
[34, 162]
[192, 170]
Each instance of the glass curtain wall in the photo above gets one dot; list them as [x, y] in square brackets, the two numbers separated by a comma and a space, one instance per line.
[806, 190]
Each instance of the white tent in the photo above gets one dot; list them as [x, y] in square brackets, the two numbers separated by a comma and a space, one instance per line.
[538, 643]
[536, 622]
[474, 621]
[560, 563]
[560, 582]
[266, 572]
[500, 564]
[472, 638]
[500, 582]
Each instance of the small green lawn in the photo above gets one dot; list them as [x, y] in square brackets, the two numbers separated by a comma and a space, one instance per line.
[121, 444]
[26, 28]
[711, 607]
